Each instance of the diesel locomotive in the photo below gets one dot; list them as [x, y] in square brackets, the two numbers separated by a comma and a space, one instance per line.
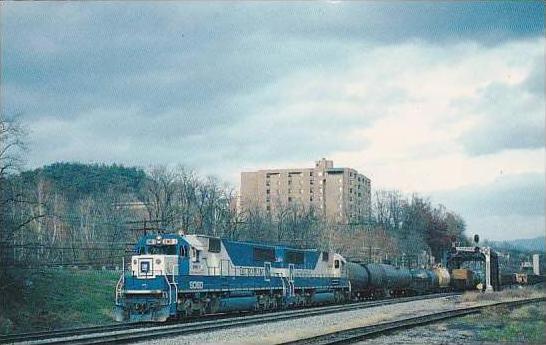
[174, 276]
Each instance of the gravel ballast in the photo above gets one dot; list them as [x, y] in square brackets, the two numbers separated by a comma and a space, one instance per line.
[282, 331]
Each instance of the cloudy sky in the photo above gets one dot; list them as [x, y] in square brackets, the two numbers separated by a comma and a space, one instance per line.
[443, 99]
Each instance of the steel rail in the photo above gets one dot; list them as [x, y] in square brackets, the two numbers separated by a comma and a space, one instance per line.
[20, 337]
[132, 332]
[358, 334]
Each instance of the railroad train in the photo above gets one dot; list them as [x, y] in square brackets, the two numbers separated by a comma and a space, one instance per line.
[518, 279]
[175, 276]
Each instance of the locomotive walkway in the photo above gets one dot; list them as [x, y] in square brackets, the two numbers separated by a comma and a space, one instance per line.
[133, 332]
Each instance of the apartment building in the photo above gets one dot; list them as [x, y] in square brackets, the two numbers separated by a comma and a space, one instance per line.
[341, 194]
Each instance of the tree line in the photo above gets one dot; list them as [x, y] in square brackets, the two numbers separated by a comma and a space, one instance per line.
[72, 213]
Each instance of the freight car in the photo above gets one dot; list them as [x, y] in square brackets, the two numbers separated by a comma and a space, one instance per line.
[462, 279]
[508, 279]
[377, 280]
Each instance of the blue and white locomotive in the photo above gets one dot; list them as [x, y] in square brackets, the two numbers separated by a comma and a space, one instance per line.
[175, 276]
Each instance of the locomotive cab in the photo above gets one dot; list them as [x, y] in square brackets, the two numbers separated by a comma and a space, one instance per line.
[148, 291]
[158, 256]
[339, 263]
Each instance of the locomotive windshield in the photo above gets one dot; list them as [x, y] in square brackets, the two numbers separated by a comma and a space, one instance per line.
[160, 250]
[159, 246]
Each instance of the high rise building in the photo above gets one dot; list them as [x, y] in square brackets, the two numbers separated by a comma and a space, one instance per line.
[340, 194]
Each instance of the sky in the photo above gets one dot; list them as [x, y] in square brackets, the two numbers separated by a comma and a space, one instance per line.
[443, 99]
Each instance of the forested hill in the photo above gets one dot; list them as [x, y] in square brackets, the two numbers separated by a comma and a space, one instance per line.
[75, 180]
[73, 205]
[536, 244]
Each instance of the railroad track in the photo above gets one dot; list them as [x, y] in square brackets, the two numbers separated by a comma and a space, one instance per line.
[124, 333]
[358, 334]
[14, 338]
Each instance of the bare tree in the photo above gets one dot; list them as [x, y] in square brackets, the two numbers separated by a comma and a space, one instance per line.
[158, 195]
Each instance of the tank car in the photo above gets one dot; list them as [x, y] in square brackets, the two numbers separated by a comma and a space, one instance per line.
[422, 281]
[378, 280]
[173, 276]
[359, 279]
[443, 278]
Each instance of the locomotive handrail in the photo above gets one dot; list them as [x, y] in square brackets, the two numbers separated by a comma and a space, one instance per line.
[170, 289]
[119, 287]
[121, 280]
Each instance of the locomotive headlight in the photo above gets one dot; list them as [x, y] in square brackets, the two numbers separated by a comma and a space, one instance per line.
[158, 261]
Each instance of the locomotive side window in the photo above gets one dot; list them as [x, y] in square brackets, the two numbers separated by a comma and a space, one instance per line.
[294, 257]
[215, 245]
[336, 263]
[325, 256]
[196, 254]
[183, 251]
[264, 254]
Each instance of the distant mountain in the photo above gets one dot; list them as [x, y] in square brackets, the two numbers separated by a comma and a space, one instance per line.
[527, 244]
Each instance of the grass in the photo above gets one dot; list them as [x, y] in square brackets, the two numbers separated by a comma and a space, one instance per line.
[57, 298]
[525, 324]
[507, 294]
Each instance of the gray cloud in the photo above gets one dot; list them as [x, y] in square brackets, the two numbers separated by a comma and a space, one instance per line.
[512, 115]
[509, 208]
[219, 86]
[521, 195]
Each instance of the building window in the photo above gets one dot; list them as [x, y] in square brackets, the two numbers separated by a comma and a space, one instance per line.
[268, 208]
[311, 198]
[267, 191]
[289, 199]
[289, 181]
[289, 190]
[350, 190]
[311, 182]
[310, 173]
